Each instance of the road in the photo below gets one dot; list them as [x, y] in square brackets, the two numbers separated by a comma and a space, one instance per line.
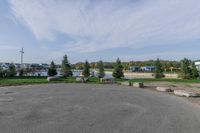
[86, 108]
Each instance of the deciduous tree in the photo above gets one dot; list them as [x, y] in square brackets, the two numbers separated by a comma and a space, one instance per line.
[101, 72]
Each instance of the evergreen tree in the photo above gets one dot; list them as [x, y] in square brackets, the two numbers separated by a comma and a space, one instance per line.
[66, 67]
[158, 70]
[12, 70]
[1, 72]
[185, 69]
[101, 72]
[52, 69]
[86, 69]
[118, 70]
[194, 72]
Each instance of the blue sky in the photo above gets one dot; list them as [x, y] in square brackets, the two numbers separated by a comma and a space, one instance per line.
[94, 30]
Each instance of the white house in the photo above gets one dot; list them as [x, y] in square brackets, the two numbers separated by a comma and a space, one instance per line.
[197, 64]
[148, 68]
[4, 66]
[134, 68]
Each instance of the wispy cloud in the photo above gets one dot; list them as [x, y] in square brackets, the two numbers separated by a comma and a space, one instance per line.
[101, 24]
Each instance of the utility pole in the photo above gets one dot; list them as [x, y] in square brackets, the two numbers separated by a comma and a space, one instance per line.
[22, 52]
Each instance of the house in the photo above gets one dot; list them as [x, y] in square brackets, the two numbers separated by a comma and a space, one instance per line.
[134, 68]
[26, 65]
[17, 65]
[44, 66]
[4, 66]
[148, 68]
[36, 67]
[197, 64]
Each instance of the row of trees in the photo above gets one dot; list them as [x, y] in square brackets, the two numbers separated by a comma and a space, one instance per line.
[66, 69]
[188, 69]
[168, 66]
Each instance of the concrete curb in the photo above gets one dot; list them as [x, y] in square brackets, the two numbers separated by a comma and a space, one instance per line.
[185, 93]
[138, 85]
[126, 83]
[164, 89]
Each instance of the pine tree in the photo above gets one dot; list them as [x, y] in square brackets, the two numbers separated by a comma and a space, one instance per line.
[158, 70]
[1, 72]
[118, 70]
[194, 72]
[86, 69]
[52, 69]
[185, 69]
[101, 72]
[12, 70]
[66, 67]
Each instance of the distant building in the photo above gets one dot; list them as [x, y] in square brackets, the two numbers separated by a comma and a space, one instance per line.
[197, 64]
[36, 67]
[148, 68]
[44, 66]
[26, 65]
[135, 68]
[142, 68]
[4, 66]
[17, 65]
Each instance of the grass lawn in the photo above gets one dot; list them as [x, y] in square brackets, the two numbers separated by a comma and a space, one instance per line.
[93, 80]
[22, 81]
[39, 80]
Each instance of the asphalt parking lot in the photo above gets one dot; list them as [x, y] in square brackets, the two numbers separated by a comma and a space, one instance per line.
[89, 108]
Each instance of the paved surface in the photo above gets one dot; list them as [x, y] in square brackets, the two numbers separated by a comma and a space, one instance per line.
[84, 108]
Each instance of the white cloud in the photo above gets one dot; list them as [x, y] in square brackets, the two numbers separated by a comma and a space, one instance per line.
[162, 55]
[97, 25]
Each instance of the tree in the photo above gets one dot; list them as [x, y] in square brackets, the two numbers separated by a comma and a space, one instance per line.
[158, 70]
[66, 67]
[118, 70]
[12, 70]
[21, 72]
[194, 72]
[1, 72]
[185, 69]
[86, 69]
[52, 69]
[101, 72]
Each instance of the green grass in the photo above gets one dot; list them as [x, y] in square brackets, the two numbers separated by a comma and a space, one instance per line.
[92, 80]
[40, 80]
[22, 81]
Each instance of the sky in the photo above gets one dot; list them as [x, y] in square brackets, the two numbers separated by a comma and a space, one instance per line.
[99, 30]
